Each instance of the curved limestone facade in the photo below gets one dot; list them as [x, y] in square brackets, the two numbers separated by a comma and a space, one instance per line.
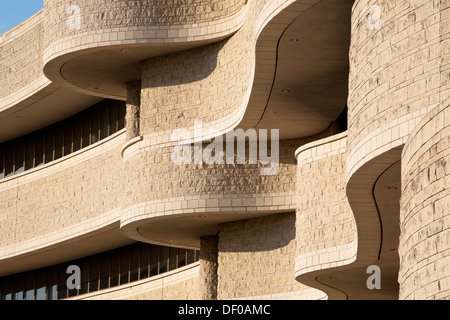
[226, 149]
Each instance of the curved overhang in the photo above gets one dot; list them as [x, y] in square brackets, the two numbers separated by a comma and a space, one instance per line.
[301, 77]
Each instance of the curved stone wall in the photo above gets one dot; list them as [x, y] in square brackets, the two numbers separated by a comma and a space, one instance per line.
[424, 216]
[64, 199]
[326, 234]
[211, 85]
[158, 189]
[21, 62]
[395, 74]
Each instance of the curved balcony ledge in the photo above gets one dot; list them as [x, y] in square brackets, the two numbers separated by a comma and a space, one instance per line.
[196, 216]
[100, 61]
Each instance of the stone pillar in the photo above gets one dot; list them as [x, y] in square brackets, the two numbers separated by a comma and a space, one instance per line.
[133, 109]
[209, 254]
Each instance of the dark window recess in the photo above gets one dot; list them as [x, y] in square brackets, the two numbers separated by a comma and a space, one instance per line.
[61, 139]
[102, 271]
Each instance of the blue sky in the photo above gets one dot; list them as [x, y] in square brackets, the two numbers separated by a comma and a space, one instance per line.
[13, 12]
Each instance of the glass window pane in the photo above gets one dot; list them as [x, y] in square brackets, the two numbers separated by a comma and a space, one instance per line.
[52, 284]
[145, 261]
[18, 288]
[125, 266]
[49, 146]
[39, 150]
[154, 261]
[77, 133]
[7, 289]
[163, 265]
[59, 142]
[86, 129]
[19, 158]
[190, 256]
[104, 272]
[104, 122]
[122, 112]
[41, 286]
[2, 162]
[85, 271]
[95, 126]
[113, 116]
[62, 283]
[67, 138]
[29, 158]
[182, 257]
[94, 275]
[115, 268]
[173, 258]
[29, 287]
[9, 161]
[134, 266]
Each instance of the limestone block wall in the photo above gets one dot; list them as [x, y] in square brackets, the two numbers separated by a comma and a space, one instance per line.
[62, 199]
[326, 235]
[21, 57]
[396, 74]
[424, 217]
[257, 260]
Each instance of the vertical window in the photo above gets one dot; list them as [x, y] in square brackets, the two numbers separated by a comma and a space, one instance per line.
[134, 264]
[18, 288]
[164, 255]
[115, 268]
[121, 120]
[85, 271]
[41, 286]
[19, 158]
[9, 161]
[113, 117]
[95, 126]
[124, 266]
[7, 290]
[104, 272]
[2, 164]
[105, 122]
[77, 134]
[62, 282]
[191, 256]
[145, 261]
[173, 258]
[29, 286]
[182, 253]
[94, 275]
[67, 138]
[49, 146]
[154, 261]
[39, 150]
[29, 155]
[52, 284]
[59, 142]
[86, 130]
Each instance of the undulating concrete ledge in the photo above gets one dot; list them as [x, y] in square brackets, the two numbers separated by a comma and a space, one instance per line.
[424, 214]
[178, 284]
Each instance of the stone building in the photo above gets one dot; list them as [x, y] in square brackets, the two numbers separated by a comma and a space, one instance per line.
[354, 94]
